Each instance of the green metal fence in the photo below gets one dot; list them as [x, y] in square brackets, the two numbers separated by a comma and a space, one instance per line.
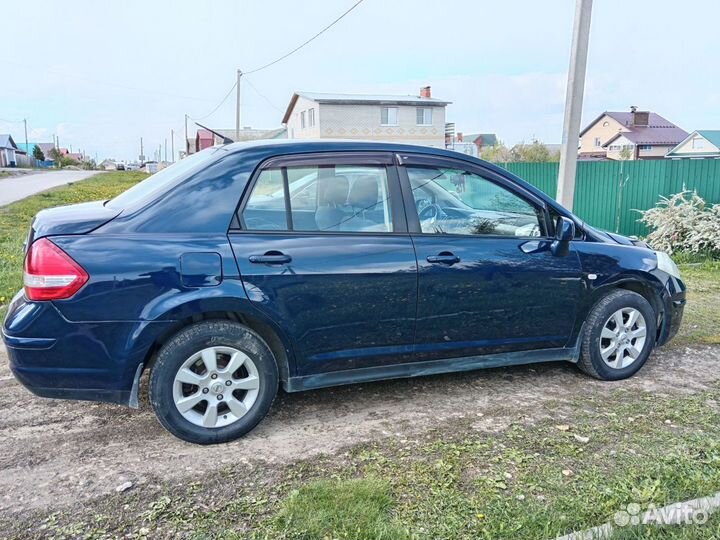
[608, 193]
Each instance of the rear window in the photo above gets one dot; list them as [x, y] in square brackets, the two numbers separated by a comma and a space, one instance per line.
[163, 180]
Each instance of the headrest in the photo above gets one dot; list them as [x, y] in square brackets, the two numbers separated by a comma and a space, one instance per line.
[333, 190]
[364, 192]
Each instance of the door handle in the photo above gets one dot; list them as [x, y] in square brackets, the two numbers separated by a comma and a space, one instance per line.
[271, 257]
[444, 257]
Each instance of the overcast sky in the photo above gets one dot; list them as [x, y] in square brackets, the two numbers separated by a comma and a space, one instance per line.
[101, 74]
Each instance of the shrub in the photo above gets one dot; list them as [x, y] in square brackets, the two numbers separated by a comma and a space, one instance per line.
[684, 222]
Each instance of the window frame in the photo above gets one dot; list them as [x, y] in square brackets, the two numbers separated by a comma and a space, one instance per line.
[397, 115]
[360, 159]
[424, 109]
[302, 119]
[427, 161]
[311, 117]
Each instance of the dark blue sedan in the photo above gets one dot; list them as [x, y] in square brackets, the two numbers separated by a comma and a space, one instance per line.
[311, 264]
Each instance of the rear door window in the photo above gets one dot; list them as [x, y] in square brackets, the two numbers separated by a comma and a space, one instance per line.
[322, 198]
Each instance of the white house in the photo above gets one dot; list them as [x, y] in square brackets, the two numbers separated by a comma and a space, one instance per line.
[408, 119]
[700, 144]
[8, 151]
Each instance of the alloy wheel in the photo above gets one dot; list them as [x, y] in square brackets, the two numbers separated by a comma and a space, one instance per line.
[216, 387]
[622, 338]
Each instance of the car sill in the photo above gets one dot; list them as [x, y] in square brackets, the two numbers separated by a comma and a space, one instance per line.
[432, 367]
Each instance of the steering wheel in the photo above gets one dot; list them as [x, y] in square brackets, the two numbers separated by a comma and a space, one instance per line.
[431, 213]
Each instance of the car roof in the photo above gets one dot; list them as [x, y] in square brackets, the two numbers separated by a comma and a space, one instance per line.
[338, 145]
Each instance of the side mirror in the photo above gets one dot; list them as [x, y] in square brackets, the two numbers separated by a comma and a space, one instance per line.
[564, 229]
[564, 233]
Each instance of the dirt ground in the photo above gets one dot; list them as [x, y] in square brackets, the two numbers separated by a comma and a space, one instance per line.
[57, 453]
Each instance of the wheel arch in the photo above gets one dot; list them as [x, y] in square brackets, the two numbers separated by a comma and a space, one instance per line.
[638, 286]
[239, 311]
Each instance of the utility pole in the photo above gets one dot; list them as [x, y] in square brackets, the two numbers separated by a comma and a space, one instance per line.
[172, 145]
[187, 144]
[237, 107]
[27, 147]
[165, 150]
[573, 103]
[142, 154]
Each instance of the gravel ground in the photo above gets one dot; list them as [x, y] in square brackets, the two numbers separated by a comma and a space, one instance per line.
[57, 453]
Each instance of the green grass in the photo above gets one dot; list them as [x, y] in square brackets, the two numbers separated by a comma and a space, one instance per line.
[15, 220]
[701, 322]
[350, 508]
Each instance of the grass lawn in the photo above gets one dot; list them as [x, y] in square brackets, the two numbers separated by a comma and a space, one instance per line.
[15, 220]
[527, 481]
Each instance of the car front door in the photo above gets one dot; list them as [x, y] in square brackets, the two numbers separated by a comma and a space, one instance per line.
[323, 250]
[487, 279]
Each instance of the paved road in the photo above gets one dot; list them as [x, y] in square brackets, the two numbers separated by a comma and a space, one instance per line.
[18, 187]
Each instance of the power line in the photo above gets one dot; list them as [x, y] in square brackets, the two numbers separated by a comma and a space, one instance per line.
[218, 105]
[296, 49]
[267, 100]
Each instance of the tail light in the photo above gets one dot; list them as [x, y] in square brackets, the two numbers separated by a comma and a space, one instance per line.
[50, 273]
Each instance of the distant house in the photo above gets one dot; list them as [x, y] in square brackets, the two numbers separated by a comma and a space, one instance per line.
[205, 139]
[636, 134]
[700, 144]
[8, 151]
[410, 119]
[45, 147]
[107, 164]
[481, 140]
[471, 144]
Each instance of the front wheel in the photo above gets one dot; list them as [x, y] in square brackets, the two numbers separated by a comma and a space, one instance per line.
[213, 382]
[619, 336]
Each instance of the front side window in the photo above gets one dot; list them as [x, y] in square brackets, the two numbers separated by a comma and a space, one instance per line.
[697, 143]
[311, 117]
[302, 119]
[451, 201]
[323, 198]
[424, 116]
[598, 142]
[389, 116]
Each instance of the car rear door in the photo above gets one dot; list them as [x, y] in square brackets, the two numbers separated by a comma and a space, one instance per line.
[487, 280]
[323, 250]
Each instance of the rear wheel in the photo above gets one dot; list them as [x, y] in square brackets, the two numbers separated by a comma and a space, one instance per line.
[619, 336]
[213, 382]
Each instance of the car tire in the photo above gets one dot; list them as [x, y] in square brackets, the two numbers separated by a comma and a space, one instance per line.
[221, 374]
[611, 351]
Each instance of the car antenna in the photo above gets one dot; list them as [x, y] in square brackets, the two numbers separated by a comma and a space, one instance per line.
[226, 140]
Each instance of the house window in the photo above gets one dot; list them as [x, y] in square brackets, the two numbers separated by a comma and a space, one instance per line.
[311, 117]
[697, 143]
[389, 116]
[598, 142]
[645, 147]
[606, 124]
[302, 120]
[424, 116]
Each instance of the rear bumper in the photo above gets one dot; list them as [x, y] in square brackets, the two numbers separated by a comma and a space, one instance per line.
[56, 358]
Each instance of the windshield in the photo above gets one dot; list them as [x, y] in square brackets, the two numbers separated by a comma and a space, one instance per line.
[163, 180]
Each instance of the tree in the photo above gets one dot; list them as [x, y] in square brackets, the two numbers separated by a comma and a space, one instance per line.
[55, 155]
[497, 154]
[38, 153]
[626, 153]
[536, 152]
